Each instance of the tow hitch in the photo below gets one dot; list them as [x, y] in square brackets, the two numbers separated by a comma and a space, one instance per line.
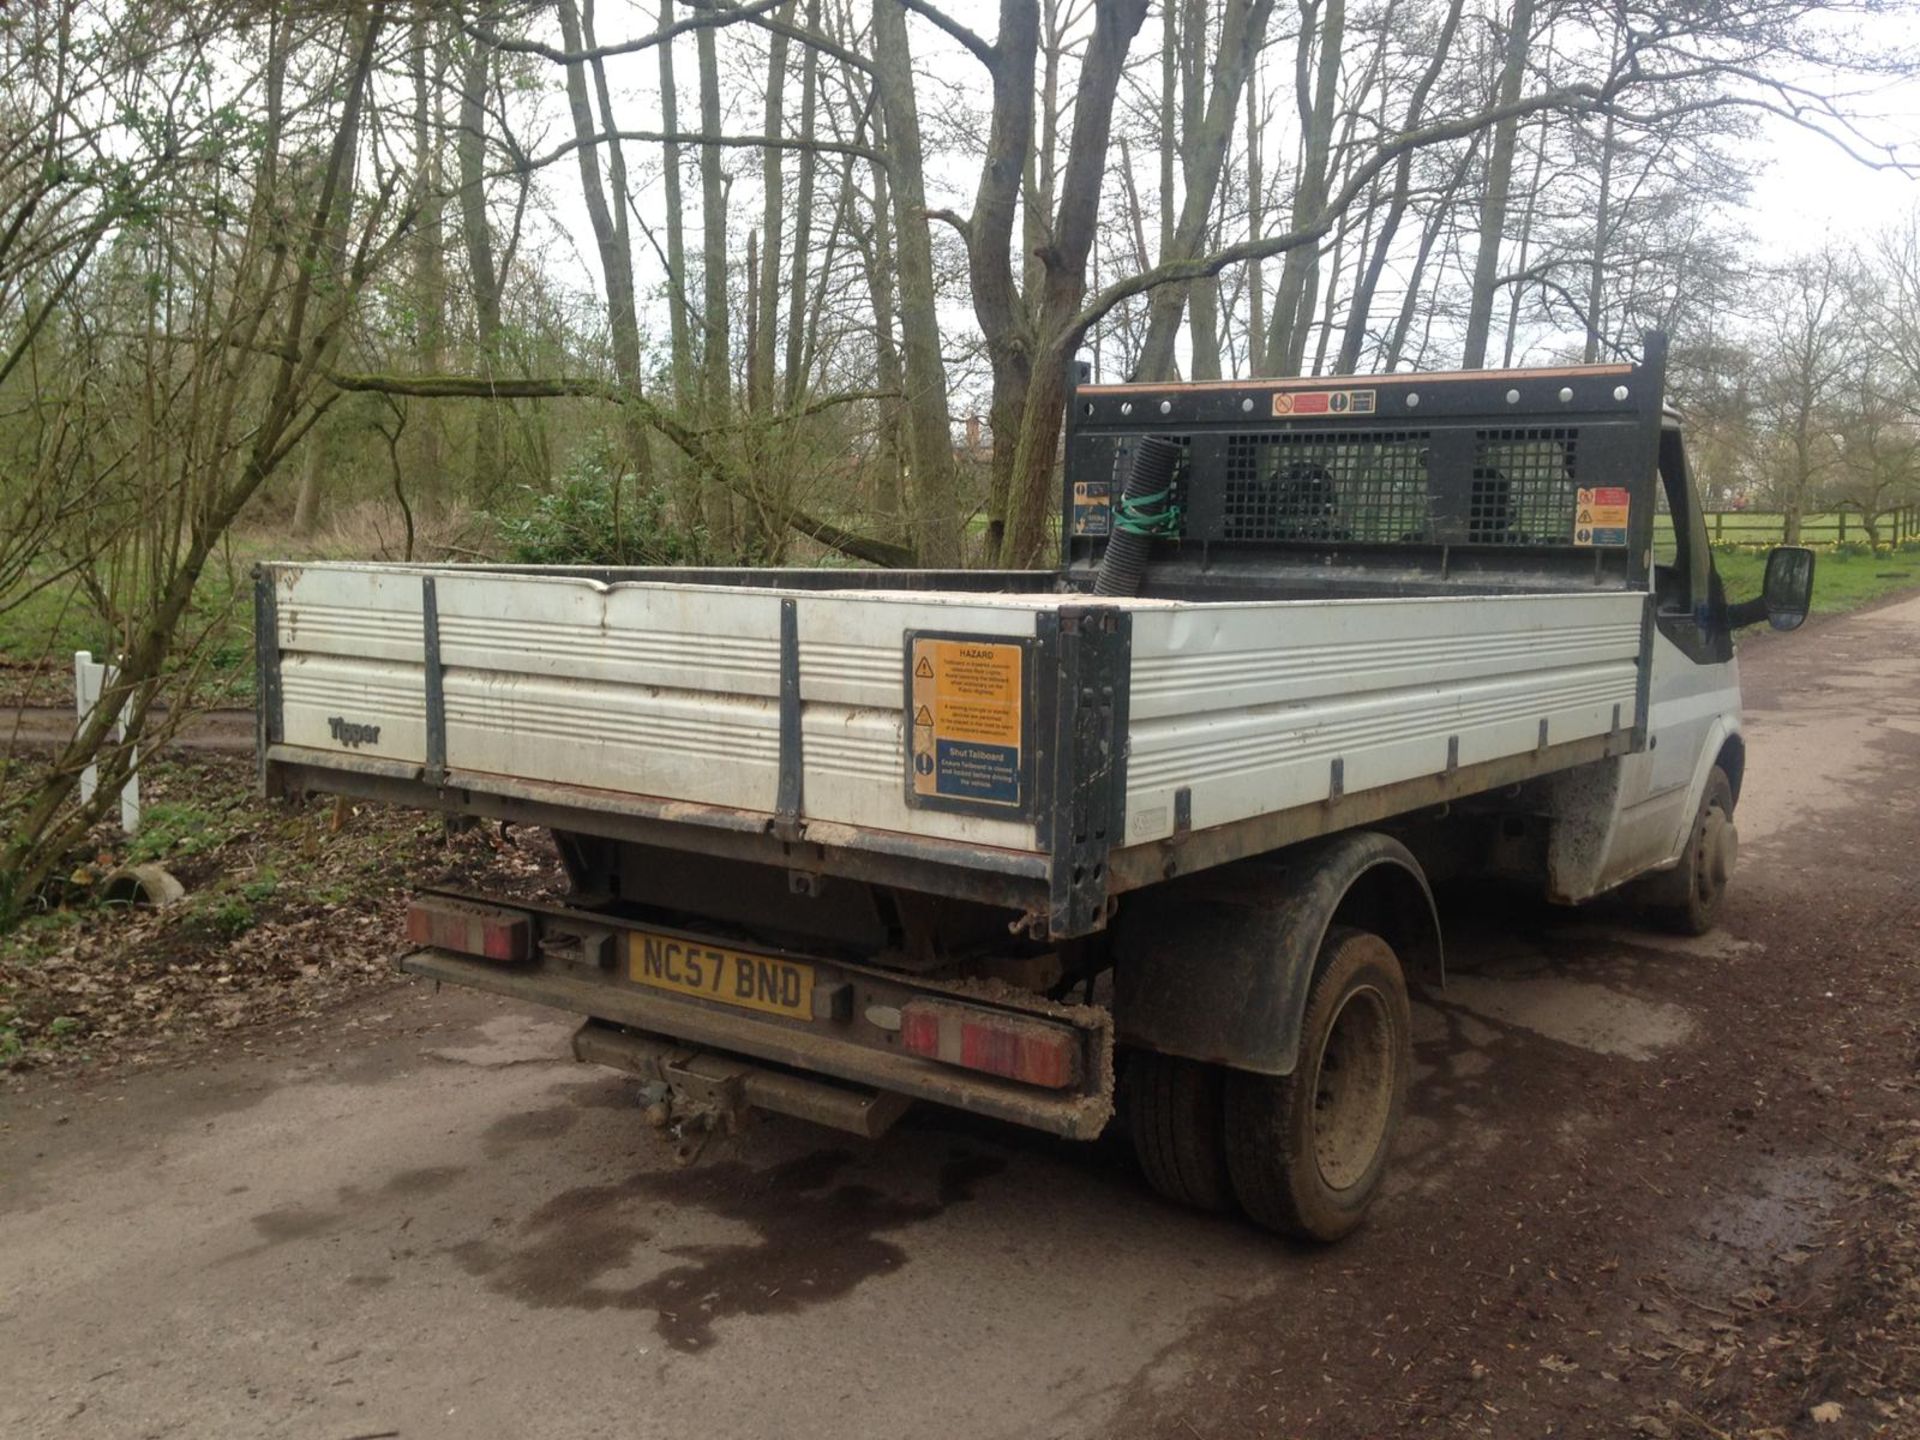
[691, 1093]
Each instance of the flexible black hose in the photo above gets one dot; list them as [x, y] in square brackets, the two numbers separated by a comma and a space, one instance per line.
[1140, 511]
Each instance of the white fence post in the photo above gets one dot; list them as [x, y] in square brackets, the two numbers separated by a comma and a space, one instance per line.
[89, 680]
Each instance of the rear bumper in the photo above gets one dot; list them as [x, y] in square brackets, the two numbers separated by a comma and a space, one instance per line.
[1079, 1113]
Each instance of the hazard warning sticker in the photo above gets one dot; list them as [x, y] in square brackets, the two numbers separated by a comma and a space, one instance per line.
[1325, 402]
[966, 721]
[1600, 515]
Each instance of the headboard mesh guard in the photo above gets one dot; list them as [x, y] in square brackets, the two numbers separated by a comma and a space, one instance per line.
[1330, 485]
[1524, 483]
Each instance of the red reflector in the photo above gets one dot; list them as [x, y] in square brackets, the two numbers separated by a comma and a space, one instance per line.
[488, 931]
[1034, 1051]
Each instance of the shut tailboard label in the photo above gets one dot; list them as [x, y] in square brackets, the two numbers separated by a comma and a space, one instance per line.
[1092, 508]
[966, 721]
[1600, 516]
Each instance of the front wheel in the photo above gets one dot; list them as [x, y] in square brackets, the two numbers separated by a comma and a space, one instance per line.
[1306, 1151]
[1687, 898]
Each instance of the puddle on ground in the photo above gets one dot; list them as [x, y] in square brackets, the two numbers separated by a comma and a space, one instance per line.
[1776, 1216]
[815, 1238]
[1574, 1012]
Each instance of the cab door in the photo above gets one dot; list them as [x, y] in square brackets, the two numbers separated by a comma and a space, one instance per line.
[1694, 687]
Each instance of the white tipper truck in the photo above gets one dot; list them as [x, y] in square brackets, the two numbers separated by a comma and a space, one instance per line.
[1156, 823]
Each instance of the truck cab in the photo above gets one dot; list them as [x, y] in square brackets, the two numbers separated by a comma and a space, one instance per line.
[1671, 823]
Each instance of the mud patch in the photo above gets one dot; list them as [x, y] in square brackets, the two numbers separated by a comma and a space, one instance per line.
[528, 1127]
[816, 1238]
[550, 1122]
[427, 1180]
[290, 1223]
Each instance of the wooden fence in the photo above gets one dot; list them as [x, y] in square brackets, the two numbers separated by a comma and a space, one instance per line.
[1829, 527]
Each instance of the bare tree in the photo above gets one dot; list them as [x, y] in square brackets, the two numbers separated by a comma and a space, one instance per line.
[936, 497]
[1813, 350]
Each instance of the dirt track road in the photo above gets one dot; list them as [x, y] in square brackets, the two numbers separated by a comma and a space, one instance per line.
[418, 1219]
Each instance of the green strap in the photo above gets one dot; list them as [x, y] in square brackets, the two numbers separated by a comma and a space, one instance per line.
[1138, 517]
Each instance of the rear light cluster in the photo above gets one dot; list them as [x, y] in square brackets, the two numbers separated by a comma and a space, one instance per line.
[488, 931]
[1035, 1052]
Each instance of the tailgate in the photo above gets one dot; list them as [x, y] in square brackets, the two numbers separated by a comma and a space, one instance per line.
[950, 742]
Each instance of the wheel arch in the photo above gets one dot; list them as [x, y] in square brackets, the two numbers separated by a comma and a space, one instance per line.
[1217, 966]
[1733, 759]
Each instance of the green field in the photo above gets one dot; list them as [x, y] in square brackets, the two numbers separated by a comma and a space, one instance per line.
[1842, 581]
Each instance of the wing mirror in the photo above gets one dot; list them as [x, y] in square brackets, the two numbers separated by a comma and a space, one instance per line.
[1787, 591]
[1786, 594]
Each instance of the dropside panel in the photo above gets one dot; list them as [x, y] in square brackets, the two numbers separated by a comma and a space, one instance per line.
[1258, 708]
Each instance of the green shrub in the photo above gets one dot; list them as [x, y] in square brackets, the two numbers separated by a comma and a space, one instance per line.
[229, 918]
[171, 830]
[573, 524]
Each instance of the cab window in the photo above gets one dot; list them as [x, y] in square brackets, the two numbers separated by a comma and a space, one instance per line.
[1687, 596]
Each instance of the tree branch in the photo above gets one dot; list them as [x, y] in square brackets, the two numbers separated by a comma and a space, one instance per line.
[692, 441]
[689, 137]
[956, 220]
[710, 17]
[987, 55]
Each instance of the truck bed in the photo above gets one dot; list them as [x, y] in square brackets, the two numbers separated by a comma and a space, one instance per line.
[1136, 737]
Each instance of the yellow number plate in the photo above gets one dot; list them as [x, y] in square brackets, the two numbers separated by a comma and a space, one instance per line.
[688, 967]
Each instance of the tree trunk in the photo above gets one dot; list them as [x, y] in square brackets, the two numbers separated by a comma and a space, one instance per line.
[671, 182]
[1205, 144]
[426, 58]
[1115, 24]
[796, 368]
[997, 305]
[332, 263]
[1360, 311]
[1256, 222]
[1436, 221]
[773, 213]
[1493, 201]
[609, 219]
[1527, 212]
[1316, 86]
[1602, 224]
[477, 235]
[893, 447]
[716, 363]
[935, 486]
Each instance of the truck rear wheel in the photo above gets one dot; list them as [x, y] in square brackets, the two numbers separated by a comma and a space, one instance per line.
[1173, 1112]
[1306, 1151]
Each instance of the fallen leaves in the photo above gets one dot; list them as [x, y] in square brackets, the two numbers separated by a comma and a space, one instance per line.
[114, 983]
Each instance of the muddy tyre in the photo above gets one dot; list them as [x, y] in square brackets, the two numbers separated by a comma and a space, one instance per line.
[1306, 1151]
[1174, 1114]
[1687, 898]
